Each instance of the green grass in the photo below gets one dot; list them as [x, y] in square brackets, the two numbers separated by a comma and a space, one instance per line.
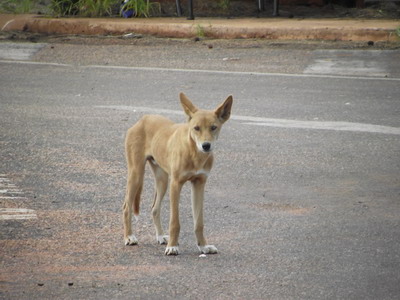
[95, 8]
[224, 4]
[85, 8]
[17, 6]
[100, 8]
[142, 8]
[64, 7]
[398, 32]
[200, 33]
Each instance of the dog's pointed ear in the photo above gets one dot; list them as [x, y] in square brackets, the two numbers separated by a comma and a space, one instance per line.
[187, 105]
[223, 112]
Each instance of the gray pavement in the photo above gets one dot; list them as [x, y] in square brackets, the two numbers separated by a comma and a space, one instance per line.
[299, 205]
[253, 56]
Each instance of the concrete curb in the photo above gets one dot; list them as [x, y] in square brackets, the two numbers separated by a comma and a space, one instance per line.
[285, 29]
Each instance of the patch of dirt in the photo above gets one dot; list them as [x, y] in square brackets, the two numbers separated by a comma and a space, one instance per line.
[73, 248]
[287, 208]
[150, 41]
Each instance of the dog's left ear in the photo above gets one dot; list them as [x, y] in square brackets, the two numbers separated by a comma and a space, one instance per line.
[223, 112]
[189, 108]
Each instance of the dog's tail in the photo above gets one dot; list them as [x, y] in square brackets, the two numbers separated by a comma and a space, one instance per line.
[136, 161]
[133, 192]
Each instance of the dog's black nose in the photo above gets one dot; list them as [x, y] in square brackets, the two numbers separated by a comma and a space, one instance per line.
[206, 147]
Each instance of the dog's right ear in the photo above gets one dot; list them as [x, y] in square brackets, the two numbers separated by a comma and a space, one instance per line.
[188, 106]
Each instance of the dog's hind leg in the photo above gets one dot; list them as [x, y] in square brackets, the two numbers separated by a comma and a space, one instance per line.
[161, 184]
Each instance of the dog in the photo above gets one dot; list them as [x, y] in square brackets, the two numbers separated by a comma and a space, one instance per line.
[179, 152]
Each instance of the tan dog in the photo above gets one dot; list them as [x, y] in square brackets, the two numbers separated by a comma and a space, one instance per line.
[181, 152]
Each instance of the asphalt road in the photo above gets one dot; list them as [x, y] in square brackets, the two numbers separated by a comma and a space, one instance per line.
[303, 201]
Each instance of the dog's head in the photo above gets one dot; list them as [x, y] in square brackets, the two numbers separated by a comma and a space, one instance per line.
[205, 125]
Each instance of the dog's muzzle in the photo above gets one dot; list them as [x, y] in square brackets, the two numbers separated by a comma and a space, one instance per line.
[206, 147]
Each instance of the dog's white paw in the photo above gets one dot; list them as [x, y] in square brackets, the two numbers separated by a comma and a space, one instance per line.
[208, 249]
[162, 239]
[131, 240]
[172, 250]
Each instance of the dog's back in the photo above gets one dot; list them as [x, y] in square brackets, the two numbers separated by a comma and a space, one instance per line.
[140, 136]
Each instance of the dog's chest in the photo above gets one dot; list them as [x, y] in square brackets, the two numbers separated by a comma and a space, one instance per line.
[190, 175]
[201, 172]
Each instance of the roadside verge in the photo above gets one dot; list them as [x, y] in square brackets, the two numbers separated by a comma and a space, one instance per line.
[277, 28]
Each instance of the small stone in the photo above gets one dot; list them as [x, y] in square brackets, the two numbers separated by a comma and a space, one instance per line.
[202, 255]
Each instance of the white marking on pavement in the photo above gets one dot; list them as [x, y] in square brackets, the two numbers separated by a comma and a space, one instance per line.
[353, 68]
[9, 191]
[281, 123]
[36, 63]
[13, 191]
[17, 217]
[16, 210]
[368, 63]
[19, 51]
[305, 75]
[17, 214]
[149, 69]
[336, 126]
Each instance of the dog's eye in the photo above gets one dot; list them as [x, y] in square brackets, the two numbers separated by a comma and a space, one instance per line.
[197, 128]
[213, 127]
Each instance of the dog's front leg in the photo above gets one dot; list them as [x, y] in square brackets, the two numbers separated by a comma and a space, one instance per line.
[198, 185]
[174, 226]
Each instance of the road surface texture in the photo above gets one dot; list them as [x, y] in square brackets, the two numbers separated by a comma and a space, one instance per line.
[303, 201]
